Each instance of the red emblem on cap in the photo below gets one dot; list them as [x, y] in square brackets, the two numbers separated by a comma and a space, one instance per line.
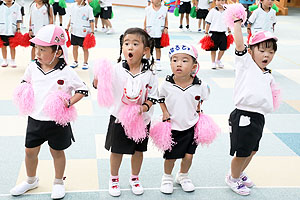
[197, 98]
[60, 82]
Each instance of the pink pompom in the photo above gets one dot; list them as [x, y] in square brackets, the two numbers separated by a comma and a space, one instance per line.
[276, 94]
[16, 40]
[56, 109]
[235, 10]
[25, 42]
[103, 73]
[161, 136]
[206, 130]
[24, 98]
[89, 41]
[230, 40]
[133, 122]
[165, 40]
[207, 43]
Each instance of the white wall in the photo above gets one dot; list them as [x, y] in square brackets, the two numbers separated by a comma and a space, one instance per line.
[131, 2]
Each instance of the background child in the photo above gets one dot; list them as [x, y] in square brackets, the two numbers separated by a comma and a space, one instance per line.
[41, 14]
[105, 15]
[48, 74]
[202, 8]
[135, 44]
[247, 4]
[156, 22]
[58, 10]
[215, 24]
[252, 99]
[81, 23]
[263, 18]
[10, 20]
[184, 8]
[173, 95]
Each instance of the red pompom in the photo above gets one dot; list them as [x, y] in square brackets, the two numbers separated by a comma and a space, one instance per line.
[89, 41]
[16, 40]
[165, 40]
[25, 42]
[69, 39]
[230, 41]
[1, 43]
[207, 43]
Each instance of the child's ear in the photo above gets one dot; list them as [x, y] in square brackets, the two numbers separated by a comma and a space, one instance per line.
[194, 67]
[59, 53]
[250, 51]
[146, 50]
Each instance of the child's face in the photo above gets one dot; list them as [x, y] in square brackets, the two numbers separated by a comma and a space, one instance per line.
[8, 2]
[182, 65]
[78, 1]
[156, 2]
[267, 3]
[220, 3]
[44, 54]
[262, 56]
[133, 48]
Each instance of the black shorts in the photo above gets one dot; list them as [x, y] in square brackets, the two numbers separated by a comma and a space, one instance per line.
[117, 141]
[220, 41]
[97, 15]
[185, 7]
[5, 39]
[22, 11]
[38, 132]
[58, 9]
[184, 143]
[75, 40]
[106, 12]
[157, 43]
[202, 13]
[246, 132]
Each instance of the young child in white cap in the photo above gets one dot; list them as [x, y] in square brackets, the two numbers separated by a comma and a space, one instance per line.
[48, 74]
[184, 90]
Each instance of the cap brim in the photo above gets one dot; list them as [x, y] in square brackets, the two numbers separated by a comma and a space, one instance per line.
[37, 41]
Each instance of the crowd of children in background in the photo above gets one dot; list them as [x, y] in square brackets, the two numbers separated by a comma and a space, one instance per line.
[135, 85]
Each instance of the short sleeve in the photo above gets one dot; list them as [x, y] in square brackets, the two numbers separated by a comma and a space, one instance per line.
[27, 75]
[253, 16]
[153, 89]
[205, 91]
[91, 15]
[19, 15]
[162, 93]
[242, 59]
[78, 85]
[209, 16]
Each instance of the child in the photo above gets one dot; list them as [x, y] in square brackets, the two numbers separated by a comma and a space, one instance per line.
[202, 11]
[156, 22]
[135, 43]
[82, 23]
[10, 20]
[47, 74]
[58, 10]
[181, 90]
[184, 8]
[252, 99]
[105, 15]
[263, 18]
[41, 14]
[247, 4]
[215, 24]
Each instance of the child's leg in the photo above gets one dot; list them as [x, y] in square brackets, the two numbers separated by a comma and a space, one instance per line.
[136, 162]
[4, 52]
[59, 160]
[213, 56]
[103, 23]
[199, 23]
[220, 55]
[186, 163]
[60, 19]
[248, 160]
[31, 160]
[187, 18]
[237, 165]
[181, 18]
[13, 53]
[108, 23]
[33, 53]
[115, 163]
[158, 53]
[96, 22]
[204, 24]
[75, 52]
[54, 19]
[85, 55]
[169, 165]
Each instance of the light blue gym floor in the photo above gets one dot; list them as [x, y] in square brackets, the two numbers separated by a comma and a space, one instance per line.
[275, 170]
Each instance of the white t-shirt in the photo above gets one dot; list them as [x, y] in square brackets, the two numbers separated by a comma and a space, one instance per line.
[182, 103]
[185, 1]
[261, 20]
[204, 4]
[45, 83]
[9, 17]
[252, 89]
[216, 19]
[155, 20]
[149, 85]
[105, 3]
[39, 17]
[81, 17]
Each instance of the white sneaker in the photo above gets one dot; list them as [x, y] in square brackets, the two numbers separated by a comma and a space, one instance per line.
[110, 31]
[166, 186]
[95, 29]
[238, 187]
[24, 187]
[4, 63]
[185, 182]
[246, 180]
[58, 191]
[213, 66]
[13, 64]
[104, 30]
[220, 64]
[114, 187]
[85, 66]
[158, 66]
[136, 186]
[74, 64]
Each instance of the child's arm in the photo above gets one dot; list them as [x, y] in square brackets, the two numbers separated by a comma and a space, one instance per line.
[166, 115]
[176, 3]
[51, 16]
[68, 26]
[207, 28]
[249, 28]
[146, 106]
[145, 23]
[166, 24]
[92, 26]
[238, 36]
[74, 99]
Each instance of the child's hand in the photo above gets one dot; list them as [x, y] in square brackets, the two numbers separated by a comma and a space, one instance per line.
[67, 103]
[165, 31]
[95, 83]
[166, 117]
[30, 33]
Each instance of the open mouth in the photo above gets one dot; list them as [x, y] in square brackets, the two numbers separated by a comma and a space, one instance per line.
[130, 55]
[178, 70]
[265, 61]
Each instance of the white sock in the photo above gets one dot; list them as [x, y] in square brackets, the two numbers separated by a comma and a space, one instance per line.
[31, 179]
[234, 179]
[58, 181]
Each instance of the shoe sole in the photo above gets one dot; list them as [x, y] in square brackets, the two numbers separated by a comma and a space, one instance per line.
[243, 194]
[25, 191]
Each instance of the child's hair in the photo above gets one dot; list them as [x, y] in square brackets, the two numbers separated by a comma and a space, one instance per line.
[46, 2]
[147, 40]
[54, 48]
[271, 43]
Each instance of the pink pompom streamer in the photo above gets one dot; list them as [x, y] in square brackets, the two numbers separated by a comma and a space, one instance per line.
[133, 122]
[56, 109]
[103, 73]
[276, 94]
[236, 10]
[206, 130]
[24, 98]
[161, 136]
[206, 42]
